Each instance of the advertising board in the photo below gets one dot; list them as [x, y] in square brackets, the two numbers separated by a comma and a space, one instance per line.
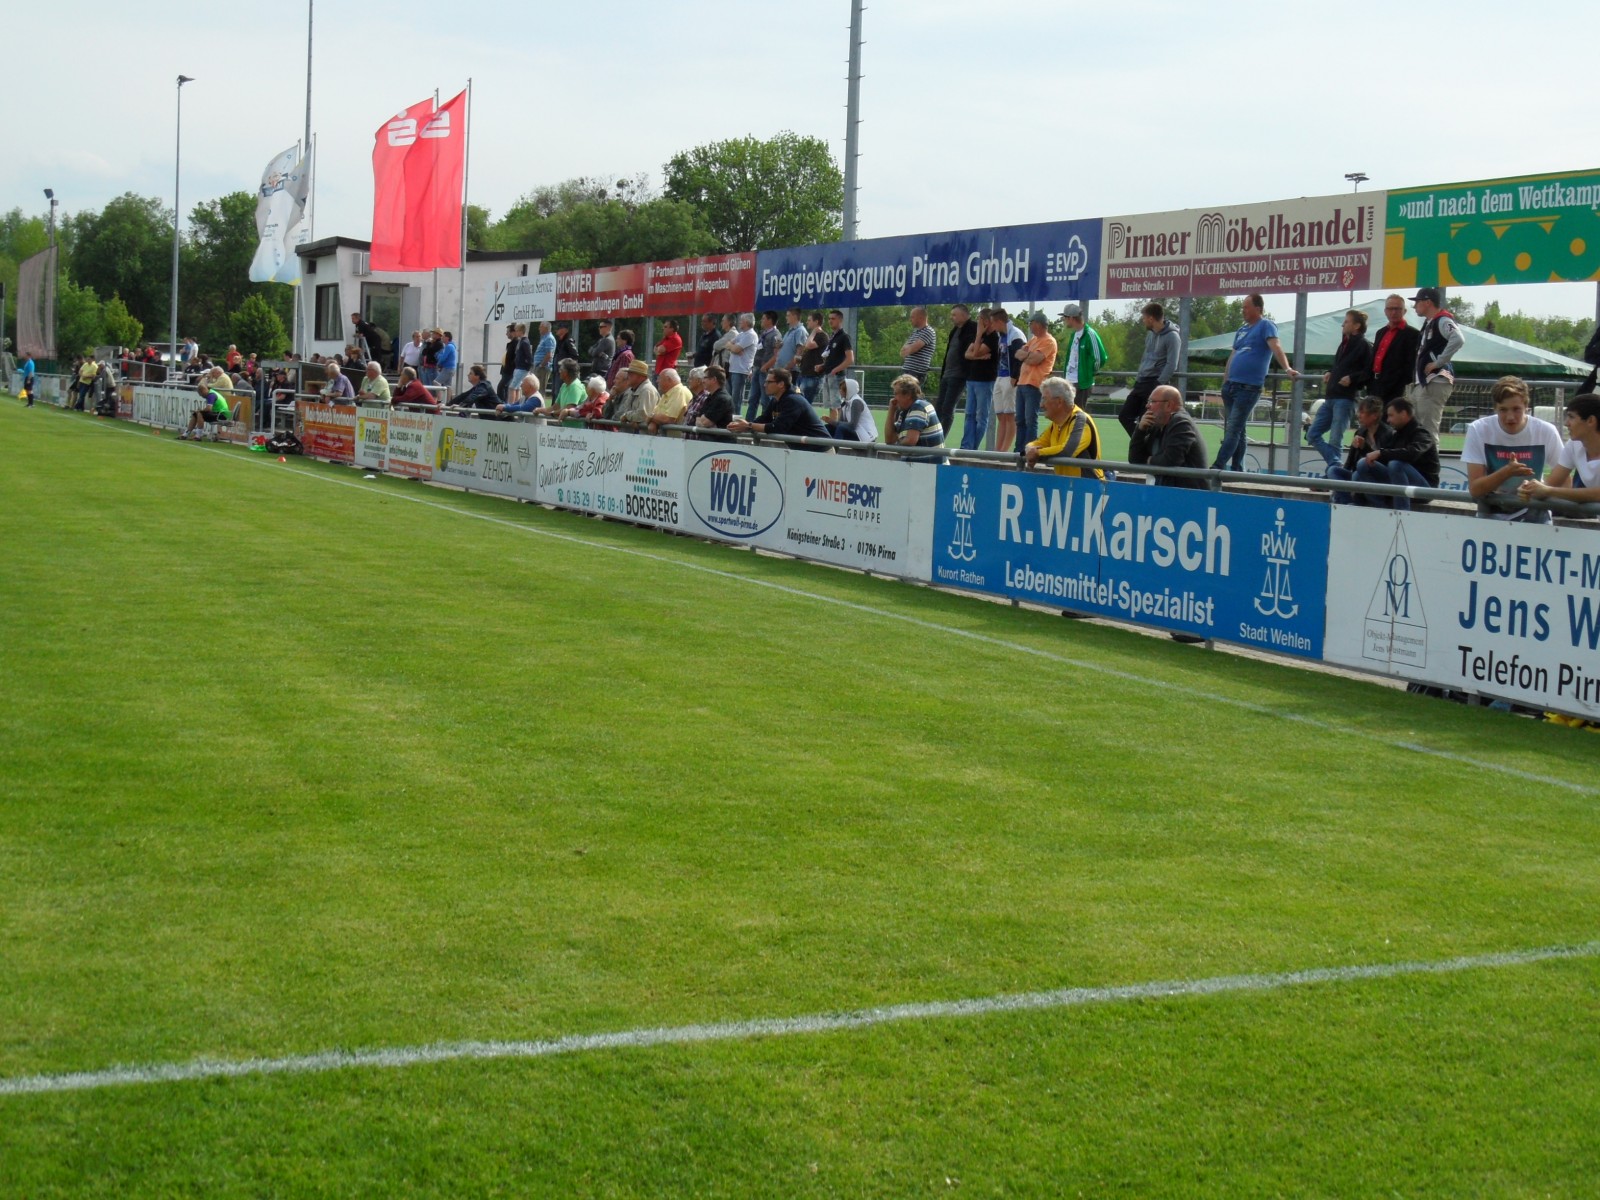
[715, 283]
[485, 456]
[372, 436]
[528, 298]
[326, 430]
[623, 475]
[852, 511]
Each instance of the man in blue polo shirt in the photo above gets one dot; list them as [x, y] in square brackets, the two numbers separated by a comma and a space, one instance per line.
[1255, 345]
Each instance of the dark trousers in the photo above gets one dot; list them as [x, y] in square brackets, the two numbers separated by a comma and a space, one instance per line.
[1133, 407]
[950, 389]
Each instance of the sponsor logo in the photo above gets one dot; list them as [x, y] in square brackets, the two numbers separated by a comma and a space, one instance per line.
[1396, 626]
[455, 450]
[842, 491]
[735, 493]
[1276, 598]
[965, 506]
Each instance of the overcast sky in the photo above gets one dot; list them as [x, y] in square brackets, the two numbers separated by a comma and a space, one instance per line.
[974, 115]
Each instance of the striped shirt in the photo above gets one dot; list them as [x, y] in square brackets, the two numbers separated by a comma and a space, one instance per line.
[920, 359]
[921, 418]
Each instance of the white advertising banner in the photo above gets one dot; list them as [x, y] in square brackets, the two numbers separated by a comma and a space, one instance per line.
[484, 455]
[853, 511]
[410, 443]
[529, 298]
[1498, 608]
[165, 408]
[1311, 244]
[625, 475]
[736, 494]
[372, 437]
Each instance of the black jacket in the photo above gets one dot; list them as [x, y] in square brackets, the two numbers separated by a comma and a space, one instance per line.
[1177, 445]
[522, 355]
[1359, 449]
[1353, 358]
[479, 395]
[704, 348]
[955, 361]
[1398, 363]
[792, 414]
[717, 408]
[1415, 445]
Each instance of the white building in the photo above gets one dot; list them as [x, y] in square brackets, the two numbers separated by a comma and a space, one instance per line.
[338, 282]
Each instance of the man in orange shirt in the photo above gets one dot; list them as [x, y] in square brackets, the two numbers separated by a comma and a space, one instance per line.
[1038, 359]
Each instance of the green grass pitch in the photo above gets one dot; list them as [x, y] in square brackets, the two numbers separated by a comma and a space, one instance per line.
[291, 763]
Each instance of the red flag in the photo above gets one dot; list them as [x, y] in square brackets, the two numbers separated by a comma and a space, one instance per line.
[418, 160]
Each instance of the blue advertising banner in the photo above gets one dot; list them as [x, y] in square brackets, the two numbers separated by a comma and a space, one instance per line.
[1235, 568]
[1057, 260]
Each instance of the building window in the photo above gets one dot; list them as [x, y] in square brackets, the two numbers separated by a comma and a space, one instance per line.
[330, 321]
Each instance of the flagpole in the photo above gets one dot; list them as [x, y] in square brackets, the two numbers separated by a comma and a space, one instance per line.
[436, 269]
[302, 342]
[294, 329]
[466, 190]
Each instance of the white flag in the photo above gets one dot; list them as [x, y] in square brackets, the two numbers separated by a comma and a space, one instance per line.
[280, 209]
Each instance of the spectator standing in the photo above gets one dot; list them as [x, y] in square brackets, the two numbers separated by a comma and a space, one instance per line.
[432, 343]
[541, 358]
[1351, 369]
[1255, 345]
[1086, 353]
[983, 365]
[1007, 370]
[811, 356]
[26, 371]
[849, 419]
[838, 355]
[88, 372]
[705, 347]
[913, 421]
[368, 333]
[447, 358]
[741, 362]
[722, 348]
[1167, 436]
[411, 352]
[668, 349]
[566, 346]
[1576, 475]
[1037, 360]
[1437, 342]
[916, 356]
[953, 376]
[1394, 352]
[794, 340]
[1070, 434]
[508, 360]
[771, 342]
[602, 351]
[1162, 346]
[1507, 448]
[621, 360]
[374, 387]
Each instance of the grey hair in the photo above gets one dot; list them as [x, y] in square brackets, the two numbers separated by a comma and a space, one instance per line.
[595, 383]
[1058, 387]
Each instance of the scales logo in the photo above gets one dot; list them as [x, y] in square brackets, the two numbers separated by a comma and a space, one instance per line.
[965, 506]
[1396, 627]
[735, 493]
[1277, 593]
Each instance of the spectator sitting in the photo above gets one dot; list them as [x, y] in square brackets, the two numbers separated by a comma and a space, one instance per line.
[786, 412]
[1370, 433]
[850, 420]
[1166, 436]
[713, 408]
[1409, 458]
[1506, 448]
[633, 404]
[672, 403]
[480, 394]
[528, 397]
[1072, 432]
[215, 409]
[913, 421]
[374, 387]
[412, 392]
[1576, 475]
[337, 390]
[571, 393]
[595, 388]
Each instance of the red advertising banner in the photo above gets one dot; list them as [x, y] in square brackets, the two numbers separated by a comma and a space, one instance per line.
[418, 164]
[327, 430]
[716, 283]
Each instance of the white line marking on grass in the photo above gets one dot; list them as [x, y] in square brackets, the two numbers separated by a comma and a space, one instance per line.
[730, 1031]
[934, 626]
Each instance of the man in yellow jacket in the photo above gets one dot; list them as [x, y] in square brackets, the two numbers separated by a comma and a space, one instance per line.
[1072, 433]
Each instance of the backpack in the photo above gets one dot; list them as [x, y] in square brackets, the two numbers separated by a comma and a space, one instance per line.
[285, 443]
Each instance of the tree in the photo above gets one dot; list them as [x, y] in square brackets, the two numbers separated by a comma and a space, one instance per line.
[122, 327]
[582, 223]
[477, 227]
[80, 326]
[758, 195]
[256, 329]
[126, 250]
[221, 243]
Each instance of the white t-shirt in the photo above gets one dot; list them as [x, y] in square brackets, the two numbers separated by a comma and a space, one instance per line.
[1537, 445]
[410, 354]
[1585, 470]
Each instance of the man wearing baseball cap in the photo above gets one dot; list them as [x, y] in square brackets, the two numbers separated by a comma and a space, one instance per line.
[1086, 353]
[1440, 338]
